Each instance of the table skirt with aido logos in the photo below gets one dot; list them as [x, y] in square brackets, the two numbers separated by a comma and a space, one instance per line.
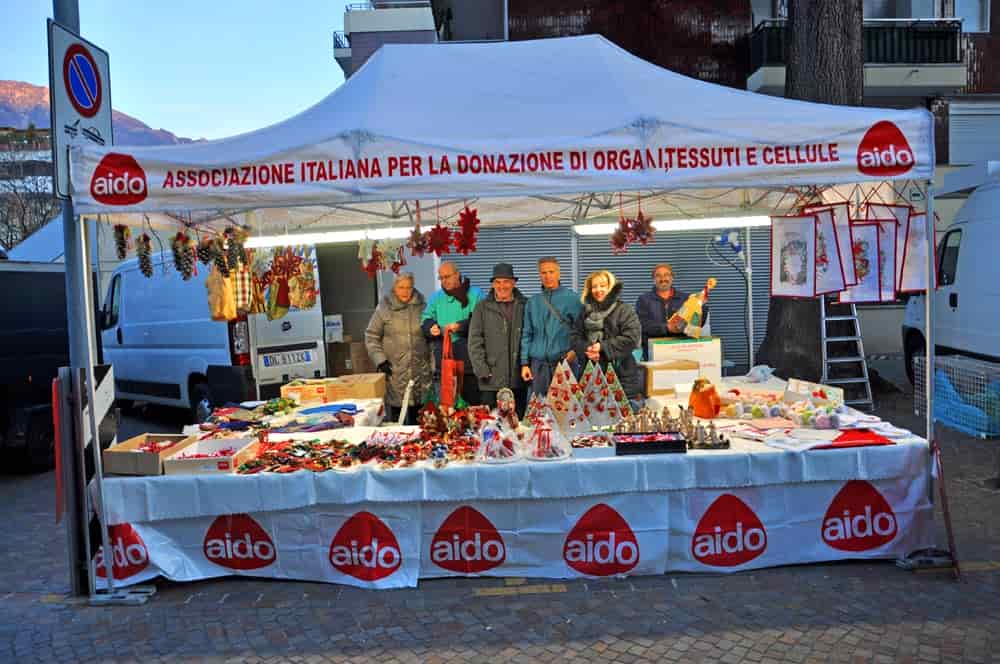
[714, 511]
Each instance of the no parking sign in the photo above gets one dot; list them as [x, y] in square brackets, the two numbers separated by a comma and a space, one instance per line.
[79, 98]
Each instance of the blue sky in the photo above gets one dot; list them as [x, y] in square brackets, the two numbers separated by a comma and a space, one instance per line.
[198, 68]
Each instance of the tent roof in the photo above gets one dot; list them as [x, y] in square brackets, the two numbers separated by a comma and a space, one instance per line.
[565, 96]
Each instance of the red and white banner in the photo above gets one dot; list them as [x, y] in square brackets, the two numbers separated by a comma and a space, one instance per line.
[391, 545]
[516, 135]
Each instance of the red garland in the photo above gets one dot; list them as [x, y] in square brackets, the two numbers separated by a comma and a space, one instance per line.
[440, 240]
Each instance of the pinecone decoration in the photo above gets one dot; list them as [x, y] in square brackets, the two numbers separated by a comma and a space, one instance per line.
[183, 248]
[144, 250]
[232, 249]
[205, 250]
[219, 256]
[241, 236]
[122, 235]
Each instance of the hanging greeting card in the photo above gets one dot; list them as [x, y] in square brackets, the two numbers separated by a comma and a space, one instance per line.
[865, 250]
[887, 235]
[913, 276]
[901, 213]
[793, 256]
[842, 222]
[829, 267]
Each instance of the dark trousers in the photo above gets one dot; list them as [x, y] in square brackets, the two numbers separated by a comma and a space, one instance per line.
[411, 415]
[470, 390]
[520, 399]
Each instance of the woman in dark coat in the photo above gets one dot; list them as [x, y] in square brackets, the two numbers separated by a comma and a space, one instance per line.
[608, 330]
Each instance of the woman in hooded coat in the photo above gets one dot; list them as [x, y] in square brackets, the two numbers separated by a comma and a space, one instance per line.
[608, 330]
[398, 347]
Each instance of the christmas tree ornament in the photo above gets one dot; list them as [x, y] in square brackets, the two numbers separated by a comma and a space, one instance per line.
[144, 251]
[619, 238]
[642, 228]
[464, 240]
[122, 235]
[182, 247]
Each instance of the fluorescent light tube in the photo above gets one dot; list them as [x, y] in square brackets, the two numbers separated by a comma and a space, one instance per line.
[681, 225]
[328, 237]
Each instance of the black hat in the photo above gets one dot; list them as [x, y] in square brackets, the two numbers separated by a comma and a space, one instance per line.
[503, 271]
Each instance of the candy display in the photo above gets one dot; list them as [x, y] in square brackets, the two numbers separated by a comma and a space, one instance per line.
[704, 399]
[498, 444]
[156, 446]
[224, 452]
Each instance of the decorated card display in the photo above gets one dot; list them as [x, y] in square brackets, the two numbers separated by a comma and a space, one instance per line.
[901, 213]
[586, 377]
[865, 249]
[617, 394]
[793, 256]
[597, 401]
[829, 267]
[913, 276]
[887, 233]
[842, 222]
[562, 399]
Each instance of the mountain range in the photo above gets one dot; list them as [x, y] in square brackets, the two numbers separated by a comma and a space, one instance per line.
[22, 104]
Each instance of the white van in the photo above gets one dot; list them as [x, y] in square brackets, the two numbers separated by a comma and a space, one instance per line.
[967, 301]
[166, 349]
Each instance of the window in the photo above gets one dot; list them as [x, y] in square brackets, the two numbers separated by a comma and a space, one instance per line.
[948, 258]
[113, 303]
[975, 15]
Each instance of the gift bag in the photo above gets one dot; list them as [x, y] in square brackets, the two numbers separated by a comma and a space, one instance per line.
[221, 298]
[452, 373]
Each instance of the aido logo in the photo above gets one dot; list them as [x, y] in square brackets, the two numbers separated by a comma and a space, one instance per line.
[859, 519]
[601, 543]
[467, 543]
[365, 548]
[118, 180]
[128, 553]
[884, 151]
[728, 534]
[237, 541]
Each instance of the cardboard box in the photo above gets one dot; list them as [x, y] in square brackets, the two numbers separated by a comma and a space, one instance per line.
[663, 377]
[305, 390]
[125, 459]
[244, 449]
[707, 352]
[348, 358]
[358, 386]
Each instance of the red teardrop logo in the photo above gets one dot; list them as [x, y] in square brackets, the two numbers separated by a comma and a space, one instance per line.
[728, 534]
[365, 548]
[118, 180]
[859, 519]
[467, 543]
[129, 554]
[237, 541]
[601, 543]
[884, 151]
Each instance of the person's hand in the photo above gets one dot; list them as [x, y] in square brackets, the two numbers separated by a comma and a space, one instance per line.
[675, 325]
[385, 368]
[571, 356]
[526, 374]
[435, 330]
[452, 327]
[594, 352]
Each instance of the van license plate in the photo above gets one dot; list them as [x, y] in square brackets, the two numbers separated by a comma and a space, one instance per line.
[286, 359]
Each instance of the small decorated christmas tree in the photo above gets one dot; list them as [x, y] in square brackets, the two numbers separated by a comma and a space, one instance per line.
[588, 375]
[617, 394]
[596, 400]
[563, 400]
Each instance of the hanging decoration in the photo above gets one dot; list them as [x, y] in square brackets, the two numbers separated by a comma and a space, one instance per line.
[122, 235]
[419, 242]
[205, 250]
[183, 248]
[393, 255]
[440, 239]
[219, 256]
[371, 257]
[631, 230]
[464, 240]
[144, 251]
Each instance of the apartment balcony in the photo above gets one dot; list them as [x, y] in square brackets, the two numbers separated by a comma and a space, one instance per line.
[342, 49]
[902, 57]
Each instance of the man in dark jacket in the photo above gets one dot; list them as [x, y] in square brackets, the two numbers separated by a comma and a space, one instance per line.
[656, 306]
[495, 338]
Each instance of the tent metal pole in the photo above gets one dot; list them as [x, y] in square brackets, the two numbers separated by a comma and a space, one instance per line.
[749, 277]
[929, 312]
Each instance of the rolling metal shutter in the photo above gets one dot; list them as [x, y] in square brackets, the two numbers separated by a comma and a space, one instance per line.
[521, 247]
[973, 132]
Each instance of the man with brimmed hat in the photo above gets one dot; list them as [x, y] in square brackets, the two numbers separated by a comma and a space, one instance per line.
[495, 338]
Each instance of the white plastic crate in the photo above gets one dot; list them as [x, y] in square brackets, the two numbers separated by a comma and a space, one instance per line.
[966, 394]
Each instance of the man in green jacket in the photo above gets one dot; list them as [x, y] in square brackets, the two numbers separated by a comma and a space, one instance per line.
[548, 319]
[448, 311]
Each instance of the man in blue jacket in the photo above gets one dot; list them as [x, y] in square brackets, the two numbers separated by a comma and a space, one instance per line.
[656, 306]
[548, 319]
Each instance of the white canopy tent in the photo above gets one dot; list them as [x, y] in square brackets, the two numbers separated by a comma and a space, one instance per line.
[532, 131]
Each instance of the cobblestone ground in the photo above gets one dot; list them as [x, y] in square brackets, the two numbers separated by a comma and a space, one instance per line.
[848, 612]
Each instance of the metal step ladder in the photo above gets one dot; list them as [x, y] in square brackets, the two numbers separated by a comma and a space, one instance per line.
[860, 375]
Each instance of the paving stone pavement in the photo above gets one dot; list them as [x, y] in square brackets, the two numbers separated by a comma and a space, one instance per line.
[844, 612]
